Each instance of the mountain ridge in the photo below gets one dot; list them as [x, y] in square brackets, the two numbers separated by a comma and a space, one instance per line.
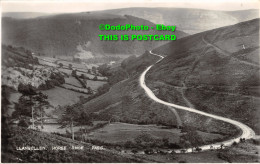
[71, 34]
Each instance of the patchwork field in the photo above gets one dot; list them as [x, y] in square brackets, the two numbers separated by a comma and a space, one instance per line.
[60, 96]
[75, 88]
[74, 65]
[122, 132]
[73, 81]
[94, 85]
[68, 72]
[51, 128]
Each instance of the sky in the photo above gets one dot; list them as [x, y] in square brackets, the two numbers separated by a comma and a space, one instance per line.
[68, 6]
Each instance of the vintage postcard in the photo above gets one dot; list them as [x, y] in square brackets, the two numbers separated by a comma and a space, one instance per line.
[116, 81]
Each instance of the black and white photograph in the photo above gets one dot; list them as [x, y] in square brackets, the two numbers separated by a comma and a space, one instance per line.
[134, 81]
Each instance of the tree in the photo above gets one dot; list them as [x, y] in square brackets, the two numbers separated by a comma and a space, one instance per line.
[41, 104]
[25, 101]
[129, 144]
[5, 100]
[81, 99]
[74, 73]
[85, 119]
[24, 108]
[117, 76]
[89, 90]
[5, 131]
[95, 78]
[83, 76]
[104, 70]
[61, 65]
[70, 66]
[69, 117]
[165, 141]
[94, 70]
[26, 89]
[30, 104]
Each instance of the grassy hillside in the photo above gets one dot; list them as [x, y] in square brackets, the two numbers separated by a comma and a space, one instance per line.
[216, 71]
[189, 20]
[20, 67]
[77, 35]
[127, 102]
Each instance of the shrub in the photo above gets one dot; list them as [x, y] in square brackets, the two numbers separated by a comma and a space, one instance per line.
[182, 161]
[234, 143]
[24, 123]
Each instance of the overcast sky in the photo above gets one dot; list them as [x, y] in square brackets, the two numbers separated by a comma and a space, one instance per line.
[59, 6]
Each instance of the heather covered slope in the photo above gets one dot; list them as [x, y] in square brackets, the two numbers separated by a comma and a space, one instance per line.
[217, 71]
[77, 34]
[127, 102]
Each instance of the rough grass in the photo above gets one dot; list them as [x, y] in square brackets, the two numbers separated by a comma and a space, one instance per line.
[218, 82]
[246, 152]
[24, 137]
[238, 107]
[95, 84]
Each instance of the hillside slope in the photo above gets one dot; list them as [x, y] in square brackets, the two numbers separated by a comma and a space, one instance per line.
[21, 138]
[127, 102]
[189, 20]
[77, 35]
[217, 71]
[20, 67]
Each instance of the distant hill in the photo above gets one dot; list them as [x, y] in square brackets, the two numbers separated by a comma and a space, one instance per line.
[24, 15]
[77, 34]
[217, 70]
[189, 20]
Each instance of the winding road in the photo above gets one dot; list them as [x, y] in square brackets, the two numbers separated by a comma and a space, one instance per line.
[247, 132]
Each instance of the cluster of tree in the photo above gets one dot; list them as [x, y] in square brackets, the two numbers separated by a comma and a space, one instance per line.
[89, 90]
[60, 65]
[117, 76]
[5, 130]
[114, 75]
[31, 104]
[70, 66]
[145, 140]
[75, 115]
[104, 70]
[83, 81]
[103, 89]
[56, 79]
